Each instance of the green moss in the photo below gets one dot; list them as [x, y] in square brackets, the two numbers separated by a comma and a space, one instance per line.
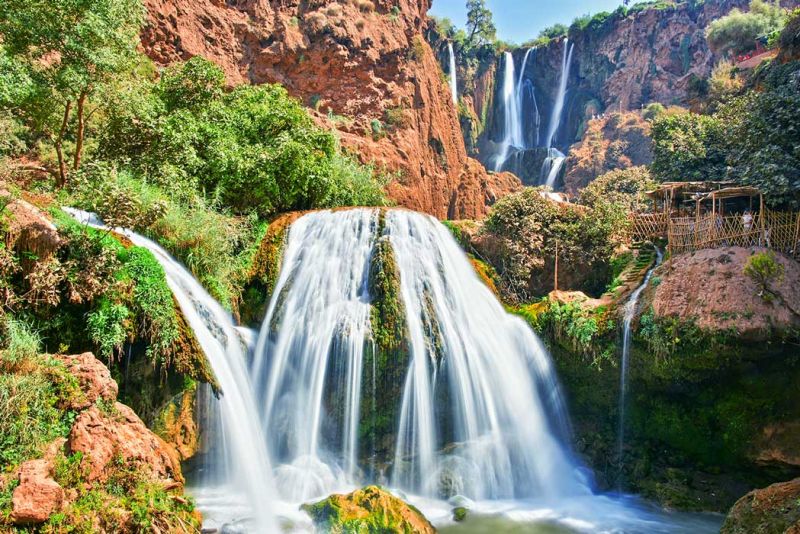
[388, 313]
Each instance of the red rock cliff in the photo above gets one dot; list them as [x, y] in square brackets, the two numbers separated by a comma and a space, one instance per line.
[363, 65]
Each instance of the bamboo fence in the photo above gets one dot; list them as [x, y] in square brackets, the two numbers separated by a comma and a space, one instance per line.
[778, 231]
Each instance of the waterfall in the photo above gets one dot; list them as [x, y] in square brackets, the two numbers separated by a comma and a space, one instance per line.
[504, 407]
[241, 461]
[558, 108]
[551, 166]
[630, 313]
[311, 348]
[514, 129]
[453, 74]
[503, 416]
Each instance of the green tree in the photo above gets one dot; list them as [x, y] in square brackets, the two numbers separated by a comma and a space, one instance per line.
[625, 187]
[689, 147]
[70, 47]
[480, 26]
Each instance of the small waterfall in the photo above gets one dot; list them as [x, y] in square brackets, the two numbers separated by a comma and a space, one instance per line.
[558, 108]
[551, 166]
[513, 120]
[630, 313]
[241, 462]
[453, 74]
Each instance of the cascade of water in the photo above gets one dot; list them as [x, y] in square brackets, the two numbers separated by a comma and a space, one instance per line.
[552, 166]
[242, 454]
[493, 371]
[453, 74]
[511, 123]
[310, 352]
[630, 313]
[558, 107]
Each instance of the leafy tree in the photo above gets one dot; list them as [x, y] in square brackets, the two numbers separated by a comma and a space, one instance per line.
[70, 48]
[554, 31]
[688, 147]
[625, 187]
[480, 26]
[737, 31]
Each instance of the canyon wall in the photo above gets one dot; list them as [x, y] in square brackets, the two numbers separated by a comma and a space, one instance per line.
[365, 68]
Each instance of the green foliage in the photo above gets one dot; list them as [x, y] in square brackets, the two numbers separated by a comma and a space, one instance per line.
[764, 269]
[21, 342]
[526, 229]
[653, 110]
[624, 187]
[689, 147]
[738, 31]
[387, 313]
[106, 327]
[254, 148]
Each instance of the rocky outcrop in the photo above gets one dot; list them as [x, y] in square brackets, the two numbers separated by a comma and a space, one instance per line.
[772, 510]
[29, 229]
[709, 288]
[119, 436]
[38, 496]
[94, 380]
[613, 141]
[370, 509]
[364, 65]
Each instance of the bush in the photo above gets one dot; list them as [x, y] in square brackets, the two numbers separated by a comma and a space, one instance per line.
[764, 269]
[689, 147]
[738, 31]
[21, 342]
[625, 187]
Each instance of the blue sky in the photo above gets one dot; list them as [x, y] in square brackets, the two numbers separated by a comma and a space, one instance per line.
[520, 20]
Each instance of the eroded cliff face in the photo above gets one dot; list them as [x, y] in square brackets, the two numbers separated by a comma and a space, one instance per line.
[363, 65]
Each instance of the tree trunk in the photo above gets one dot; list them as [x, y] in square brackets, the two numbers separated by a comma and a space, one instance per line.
[80, 132]
[62, 165]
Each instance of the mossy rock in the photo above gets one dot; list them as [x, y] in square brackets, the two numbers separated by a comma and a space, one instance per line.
[366, 511]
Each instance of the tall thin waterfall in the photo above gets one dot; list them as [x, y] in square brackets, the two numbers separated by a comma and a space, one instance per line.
[478, 383]
[513, 121]
[630, 313]
[453, 74]
[558, 107]
[243, 452]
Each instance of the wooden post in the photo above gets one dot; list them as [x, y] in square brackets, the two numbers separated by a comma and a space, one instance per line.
[763, 238]
[555, 277]
[796, 253]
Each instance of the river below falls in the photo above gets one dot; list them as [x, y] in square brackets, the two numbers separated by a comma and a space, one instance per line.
[224, 512]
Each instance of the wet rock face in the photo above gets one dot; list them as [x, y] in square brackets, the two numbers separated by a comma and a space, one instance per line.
[363, 65]
[370, 509]
[774, 509]
[38, 496]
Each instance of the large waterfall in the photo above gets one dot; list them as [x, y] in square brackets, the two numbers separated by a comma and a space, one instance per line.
[513, 120]
[467, 403]
[239, 468]
[503, 414]
[453, 74]
[558, 107]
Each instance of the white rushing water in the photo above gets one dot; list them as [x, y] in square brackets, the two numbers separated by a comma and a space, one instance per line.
[630, 313]
[513, 120]
[558, 107]
[551, 166]
[453, 74]
[240, 469]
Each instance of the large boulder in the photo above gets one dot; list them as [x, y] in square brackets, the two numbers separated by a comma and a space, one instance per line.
[710, 288]
[117, 434]
[370, 509]
[94, 379]
[772, 510]
[37, 496]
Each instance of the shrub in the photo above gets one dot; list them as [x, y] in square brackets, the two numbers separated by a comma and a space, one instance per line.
[625, 187]
[21, 342]
[764, 269]
[689, 147]
[106, 326]
[737, 31]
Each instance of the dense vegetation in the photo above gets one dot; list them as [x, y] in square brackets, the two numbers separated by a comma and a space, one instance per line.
[750, 138]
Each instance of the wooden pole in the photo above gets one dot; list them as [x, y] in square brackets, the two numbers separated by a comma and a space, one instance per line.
[796, 237]
[555, 277]
[761, 218]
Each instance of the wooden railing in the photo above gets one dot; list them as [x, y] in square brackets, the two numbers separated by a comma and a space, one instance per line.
[775, 230]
